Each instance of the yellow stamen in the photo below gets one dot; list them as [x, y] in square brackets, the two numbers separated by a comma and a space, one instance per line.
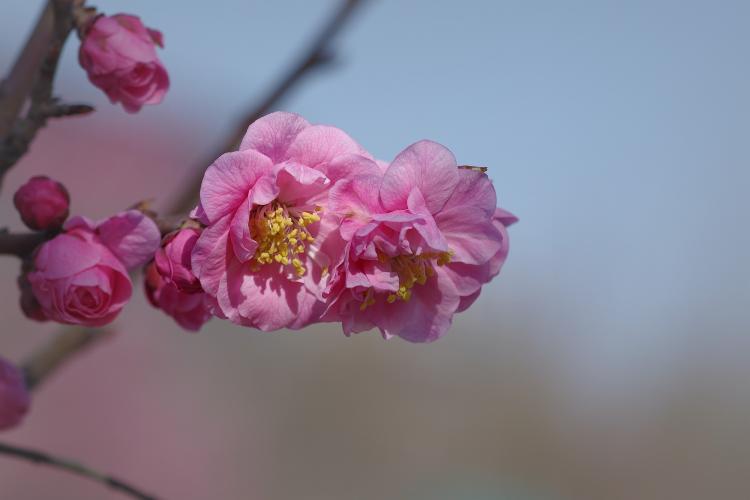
[281, 236]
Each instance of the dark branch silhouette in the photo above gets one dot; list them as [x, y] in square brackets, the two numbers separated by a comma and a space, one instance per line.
[42, 458]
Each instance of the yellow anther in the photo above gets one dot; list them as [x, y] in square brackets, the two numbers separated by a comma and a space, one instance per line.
[282, 238]
[411, 270]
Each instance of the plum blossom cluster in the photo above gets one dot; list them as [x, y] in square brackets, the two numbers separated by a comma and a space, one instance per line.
[300, 225]
[80, 275]
[303, 225]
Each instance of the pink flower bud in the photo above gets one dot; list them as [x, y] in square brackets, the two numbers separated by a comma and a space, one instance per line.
[119, 55]
[189, 310]
[80, 277]
[43, 203]
[14, 397]
[173, 260]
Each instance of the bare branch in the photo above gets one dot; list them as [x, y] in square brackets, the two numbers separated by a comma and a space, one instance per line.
[32, 76]
[42, 458]
[319, 54]
[20, 244]
[59, 350]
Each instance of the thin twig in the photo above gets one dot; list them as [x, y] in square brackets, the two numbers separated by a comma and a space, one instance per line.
[20, 244]
[42, 458]
[319, 54]
[60, 349]
[32, 77]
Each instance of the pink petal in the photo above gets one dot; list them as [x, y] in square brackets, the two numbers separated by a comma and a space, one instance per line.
[351, 165]
[471, 235]
[273, 134]
[131, 236]
[504, 217]
[425, 165]
[501, 220]
[79, 222]
[298, 183]
[209, 260]
[474, 189]
[318, 145]
[66, 255]
[424, 318]
[242, 243]
[265, 300]
[228, 180]
[467, 301]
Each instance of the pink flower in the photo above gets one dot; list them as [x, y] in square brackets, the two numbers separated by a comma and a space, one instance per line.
[43, 203]
[80, 276]
[119, 56]
[14, 397]
[419, 241]
[173, 259]
[189, 309]
[259, 257]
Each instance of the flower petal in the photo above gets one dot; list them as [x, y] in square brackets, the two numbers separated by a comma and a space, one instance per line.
[473, 189]
[425, 165]
[131, 236]
[209, 259]
[471, 235]
[426, 316]
[228, 180]
[273, 134]
[319, 145]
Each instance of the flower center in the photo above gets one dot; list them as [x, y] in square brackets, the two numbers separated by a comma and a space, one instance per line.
[282, 235]
[411, 270]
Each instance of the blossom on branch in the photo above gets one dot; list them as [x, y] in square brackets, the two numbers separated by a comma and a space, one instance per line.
[119, 55]
[303, 225]
[43, 203]
[417, 241]
[189, 309]
[260, 257]
[81, 276]
[14, 396]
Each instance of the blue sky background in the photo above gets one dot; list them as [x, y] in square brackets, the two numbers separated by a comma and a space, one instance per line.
[616, 131]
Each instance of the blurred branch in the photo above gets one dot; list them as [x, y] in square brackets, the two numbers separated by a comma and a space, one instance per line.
[32, 77]
[20, 244]
[319, 54]
[42, 458]
[59, 350]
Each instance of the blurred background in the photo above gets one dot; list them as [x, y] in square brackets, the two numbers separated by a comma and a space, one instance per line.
[608, 361]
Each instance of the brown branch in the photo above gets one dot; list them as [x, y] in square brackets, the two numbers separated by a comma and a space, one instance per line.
[20, 244]
[319, 54]
[50, 357]
[32, 77]
[42, 458]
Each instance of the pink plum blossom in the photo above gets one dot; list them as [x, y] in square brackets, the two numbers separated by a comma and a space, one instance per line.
[118, 53]
[173, 259]
[80, 276]
[259, 257]
[189, 309]
[14, 396]
[42, 203]
[418, 242]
